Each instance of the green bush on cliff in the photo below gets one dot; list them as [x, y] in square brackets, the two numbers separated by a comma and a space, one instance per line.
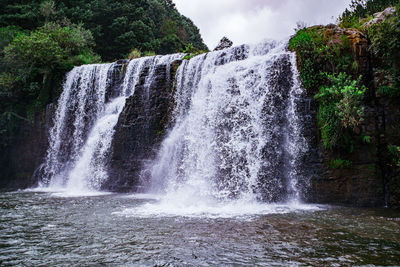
[385, 44]
[361, 9]
[306, 43]
[394, 152]
[340, 110]
[318, 54]
[191, 52]
[33, 58]
[340, 164]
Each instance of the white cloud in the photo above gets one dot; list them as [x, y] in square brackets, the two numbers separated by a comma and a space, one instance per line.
[249, 21]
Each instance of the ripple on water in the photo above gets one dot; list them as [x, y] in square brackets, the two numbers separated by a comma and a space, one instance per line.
[40, 229]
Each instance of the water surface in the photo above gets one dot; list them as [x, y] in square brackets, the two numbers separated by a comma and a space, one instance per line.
[38, 229]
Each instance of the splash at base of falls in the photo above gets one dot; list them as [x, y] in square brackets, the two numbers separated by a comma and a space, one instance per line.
[161, 206]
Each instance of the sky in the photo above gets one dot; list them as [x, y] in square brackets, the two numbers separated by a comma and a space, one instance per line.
[250, 21]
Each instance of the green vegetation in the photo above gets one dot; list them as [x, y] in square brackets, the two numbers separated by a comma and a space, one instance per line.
[328, 68]
[340, 110]
[192, 52]
[117, 26]
[366, 139]
[31, 64]
[361, 11]
[340, 164]
[136, 53]
[394, 152]
[385, 44]
[42, 40]
[319, 53]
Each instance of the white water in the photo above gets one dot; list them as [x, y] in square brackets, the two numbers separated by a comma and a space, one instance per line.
[236, 140]
[244, 209]
[234, 130]
[76, 162]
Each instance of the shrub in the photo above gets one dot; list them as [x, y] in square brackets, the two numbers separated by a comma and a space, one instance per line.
[33, 65]
[394, 152]
[340, 109]
[340, 164]
[135, 53]
[360, 9]
[385, 44]
[316, 55]
[148, 54]
[49, 47]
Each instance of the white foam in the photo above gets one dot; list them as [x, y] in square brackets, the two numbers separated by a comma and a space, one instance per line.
[214, 209]
[63, 192]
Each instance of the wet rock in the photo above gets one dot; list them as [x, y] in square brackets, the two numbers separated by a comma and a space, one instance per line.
[223, 44]
[141, 128]
[379, 17]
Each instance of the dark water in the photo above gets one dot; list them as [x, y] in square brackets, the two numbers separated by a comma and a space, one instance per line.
[38, 229]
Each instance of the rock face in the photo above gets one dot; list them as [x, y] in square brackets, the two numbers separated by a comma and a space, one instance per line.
[369, 180]
[223, 44]
[19, 162]
[357, 42]
[141, 128]
[380, 16]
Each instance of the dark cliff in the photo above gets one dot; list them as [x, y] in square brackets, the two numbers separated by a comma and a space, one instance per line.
[362, 173]
[141, 128]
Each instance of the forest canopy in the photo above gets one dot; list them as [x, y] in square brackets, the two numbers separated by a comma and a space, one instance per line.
[117, 26]
[40, 41]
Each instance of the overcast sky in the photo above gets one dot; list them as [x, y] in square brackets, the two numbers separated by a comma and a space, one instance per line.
[249, 21]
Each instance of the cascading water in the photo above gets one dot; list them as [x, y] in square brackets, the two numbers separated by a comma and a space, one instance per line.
[237, 133]
[81, 137]
[236, 130]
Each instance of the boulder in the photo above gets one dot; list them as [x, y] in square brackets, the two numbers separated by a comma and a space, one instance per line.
[223, 44]
[379, 17]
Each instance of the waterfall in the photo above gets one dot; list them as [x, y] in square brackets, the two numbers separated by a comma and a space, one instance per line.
[237, 132]
[234, 127]
[81, 137]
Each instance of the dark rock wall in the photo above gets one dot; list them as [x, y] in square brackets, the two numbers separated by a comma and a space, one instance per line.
[141, 128]
[370, 180]
[19, 161]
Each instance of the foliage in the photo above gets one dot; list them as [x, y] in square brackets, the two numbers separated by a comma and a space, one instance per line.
[32, 64]
[366, 139]
[317, 55]
[117, 26]
[190, 52]
[148, 53]
[170, 43]
[340, 109]
[385, 44]
[360, 9]
[41, 40]
[394, 152]
[340, 164]
[49, 47]
[135, 53]
[385, 39]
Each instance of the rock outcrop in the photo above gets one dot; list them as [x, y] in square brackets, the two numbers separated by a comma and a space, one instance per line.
[367, 181]
[141, 128]
[223, 44]
[379, 17]
[19, 162]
